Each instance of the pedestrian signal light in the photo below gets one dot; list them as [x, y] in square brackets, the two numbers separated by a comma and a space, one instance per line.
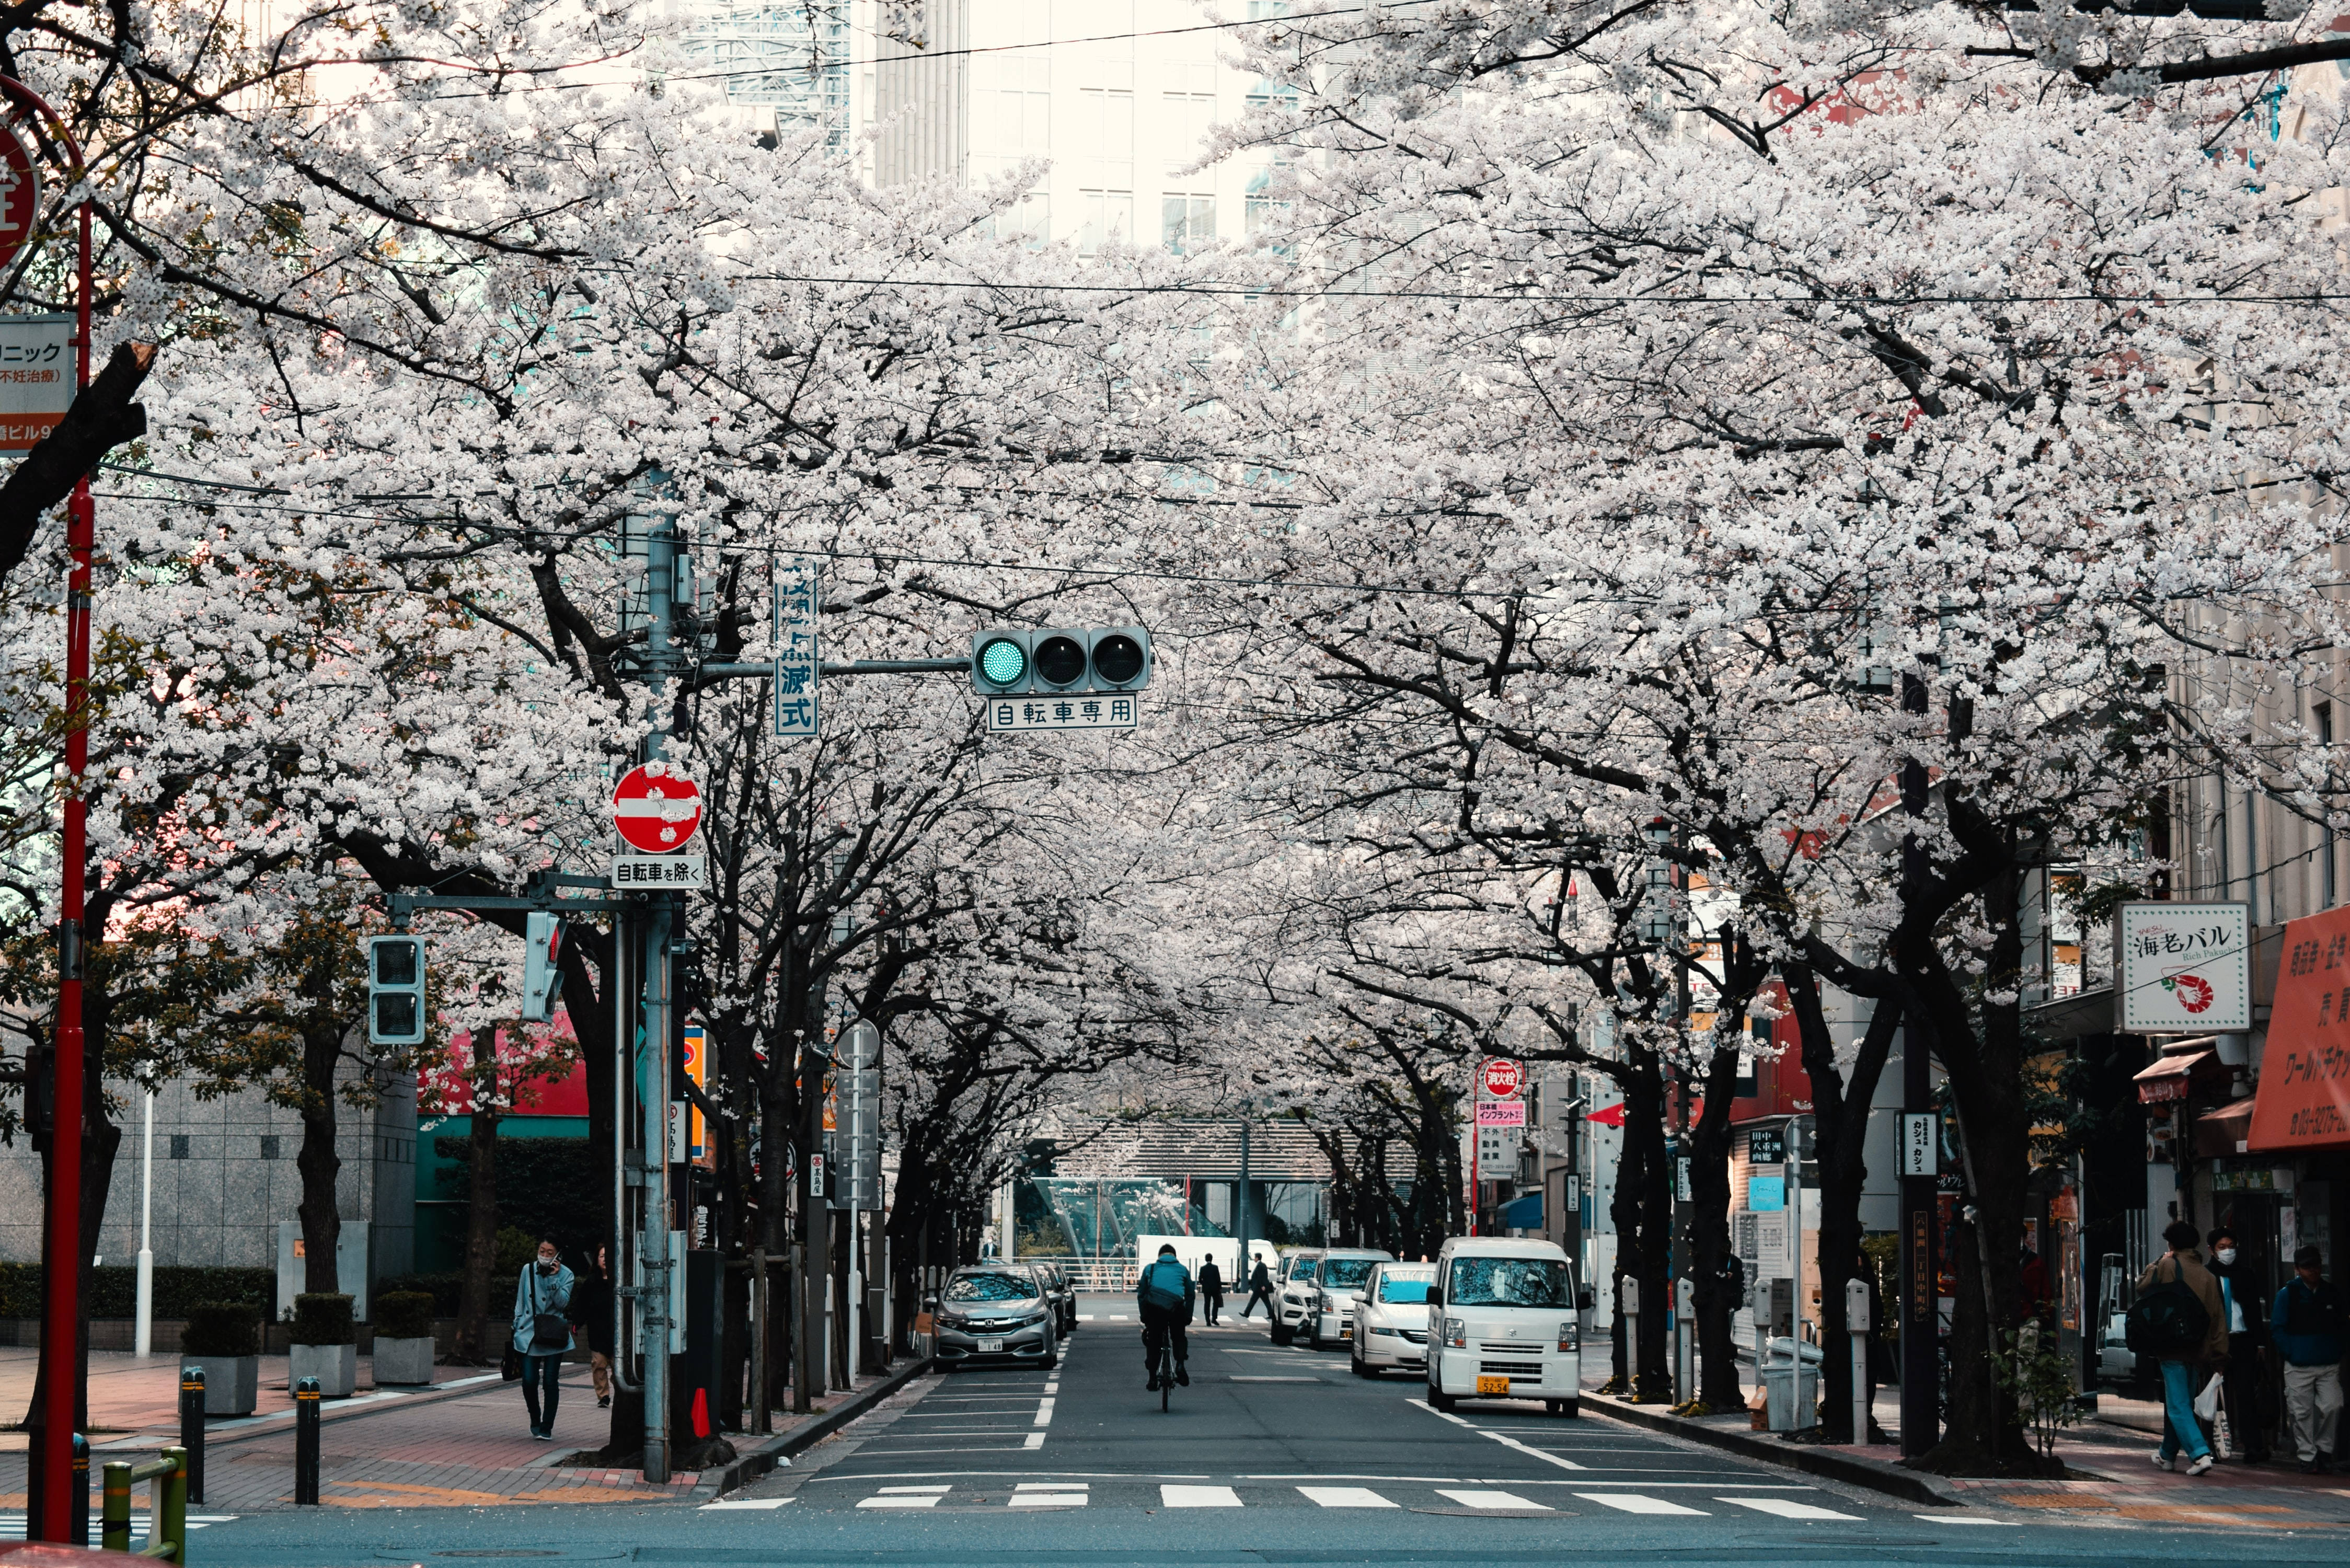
[395, 991]
[542, 978]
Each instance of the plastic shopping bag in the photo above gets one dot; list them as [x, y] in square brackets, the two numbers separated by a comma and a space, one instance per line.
[2207, 1403]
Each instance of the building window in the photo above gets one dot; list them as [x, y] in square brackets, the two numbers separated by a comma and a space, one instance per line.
[1104, 136]
[1187, 117]
[269, 1146]
[179, 1146]
[1187, 221]
[1026, 221]
[1011, 107]
[1109, 215]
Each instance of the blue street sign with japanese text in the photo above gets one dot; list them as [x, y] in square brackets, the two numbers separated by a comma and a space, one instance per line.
[797, 605]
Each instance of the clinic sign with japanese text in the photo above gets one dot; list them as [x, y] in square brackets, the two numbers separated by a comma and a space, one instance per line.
[2182, 968]
[2303, 1101]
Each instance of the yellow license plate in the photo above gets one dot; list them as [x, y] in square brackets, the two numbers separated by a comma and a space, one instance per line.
[1492, 1386]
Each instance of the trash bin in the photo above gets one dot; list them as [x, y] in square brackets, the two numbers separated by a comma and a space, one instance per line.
[1787, 1407]
[1790, 1408]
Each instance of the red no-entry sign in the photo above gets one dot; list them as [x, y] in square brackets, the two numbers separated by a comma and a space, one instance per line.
[655, 809]
[1502, 1077]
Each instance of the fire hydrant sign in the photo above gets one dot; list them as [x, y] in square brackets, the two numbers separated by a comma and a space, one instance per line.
[1501, 1077]
[656, 810]
[2183, 968]
[20, 194]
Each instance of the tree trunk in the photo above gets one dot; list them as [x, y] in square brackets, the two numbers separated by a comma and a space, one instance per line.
[1624, 1210]
[1651, 1242]
[1711, 1257]
[322, 1222]
[474, 1342]
[1840, 1103]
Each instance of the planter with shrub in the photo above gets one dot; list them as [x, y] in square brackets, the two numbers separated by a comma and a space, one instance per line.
[222, 1340]
[323, 1343]
[404, 1337]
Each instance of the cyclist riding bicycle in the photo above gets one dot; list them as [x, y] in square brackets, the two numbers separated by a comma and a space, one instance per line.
[1164, 1293]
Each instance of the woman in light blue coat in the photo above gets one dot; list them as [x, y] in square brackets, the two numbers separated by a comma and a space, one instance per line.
[542, 1334]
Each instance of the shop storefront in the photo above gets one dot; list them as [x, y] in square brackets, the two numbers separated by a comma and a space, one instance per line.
[2289, 1158]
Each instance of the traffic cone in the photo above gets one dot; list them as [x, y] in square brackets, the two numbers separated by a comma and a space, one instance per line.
[701, 1412]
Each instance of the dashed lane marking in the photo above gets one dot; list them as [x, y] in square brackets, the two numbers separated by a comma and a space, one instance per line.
[1788, 1508]
[1469, 1498]
[1344, 1497]
[724, 1504]
[1170, 1496]
[1633, 1502]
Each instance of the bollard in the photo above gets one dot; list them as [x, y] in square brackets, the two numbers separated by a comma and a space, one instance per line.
[1631, 1294]
[167, 1535]
[77, 1516]
[114, 1508]
[1685, 1339]
[305, 1442]
[191, 1427]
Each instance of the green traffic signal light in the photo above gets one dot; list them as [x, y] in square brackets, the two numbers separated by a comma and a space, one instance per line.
[1003, 661]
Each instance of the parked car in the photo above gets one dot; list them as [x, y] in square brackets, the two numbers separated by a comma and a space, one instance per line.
[996, 1312]
[1062, 1294]
[1292, 1284]
[1338, 1278]
[1502, 1325]
[1391, 1323]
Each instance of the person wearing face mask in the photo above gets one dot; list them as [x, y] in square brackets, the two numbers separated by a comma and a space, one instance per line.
[2242, 1376]
[542, 1335]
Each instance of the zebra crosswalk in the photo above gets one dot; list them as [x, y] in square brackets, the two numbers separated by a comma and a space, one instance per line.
[1517, 1497]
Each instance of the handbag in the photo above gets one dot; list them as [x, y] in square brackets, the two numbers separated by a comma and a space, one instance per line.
[549, 1335]
[510, 1365]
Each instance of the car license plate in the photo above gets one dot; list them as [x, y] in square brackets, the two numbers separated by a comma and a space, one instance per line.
[988, 1345]
[1493, 1385]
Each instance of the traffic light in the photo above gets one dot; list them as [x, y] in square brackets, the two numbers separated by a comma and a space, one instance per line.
[395, 991]
[542, 980]
[999, 663]
[1019, 661]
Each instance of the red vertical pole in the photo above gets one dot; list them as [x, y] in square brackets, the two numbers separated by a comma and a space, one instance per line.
[61, 1264]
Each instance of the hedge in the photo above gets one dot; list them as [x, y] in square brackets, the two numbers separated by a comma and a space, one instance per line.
[114, 1291]
[323, 1318]
[403, 1314]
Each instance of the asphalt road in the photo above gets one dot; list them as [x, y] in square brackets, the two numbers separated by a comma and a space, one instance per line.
[1270, 1456]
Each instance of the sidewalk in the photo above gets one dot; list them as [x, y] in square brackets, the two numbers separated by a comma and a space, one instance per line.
[2114, 1461]
[463, 1443]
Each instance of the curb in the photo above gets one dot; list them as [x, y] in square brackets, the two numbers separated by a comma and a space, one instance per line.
[280, 1422]
[1911, 1486]
[761, 1461]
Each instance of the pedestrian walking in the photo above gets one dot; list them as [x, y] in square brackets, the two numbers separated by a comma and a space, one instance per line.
[2243, 1381]
[1212, 1291]
[1260, 1290]
[2178, 1316]
[2307, 1323]
[542, 1334]
[591, 1321]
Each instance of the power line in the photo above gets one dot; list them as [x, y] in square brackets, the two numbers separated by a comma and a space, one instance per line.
[967, 51]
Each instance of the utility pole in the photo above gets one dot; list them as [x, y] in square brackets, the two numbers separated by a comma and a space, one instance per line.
[1921, 1360]
[655, 1252]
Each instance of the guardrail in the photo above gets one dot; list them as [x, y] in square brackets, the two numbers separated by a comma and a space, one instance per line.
[1112, 1274]
[167, 1506]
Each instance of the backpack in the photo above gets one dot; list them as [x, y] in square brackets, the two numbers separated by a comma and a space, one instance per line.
[1160, 1295]
[2167, 1320]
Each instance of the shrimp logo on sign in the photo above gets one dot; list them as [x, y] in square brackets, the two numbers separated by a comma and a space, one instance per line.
[656, 810]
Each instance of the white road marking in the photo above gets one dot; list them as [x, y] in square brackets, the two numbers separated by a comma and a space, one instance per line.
[1035, 1440]
[1962, 1519]
[1248, 1378]
[726, 1503]
[1506, 1441]
[904, 1491]
[1050, 1494]
[1633, 1502]
[1198, 1497]
[1788, 1508]
[1345, 1497]
[1484, 1498]
[1044, 1411]
[1053, 1485]
[898, 1502]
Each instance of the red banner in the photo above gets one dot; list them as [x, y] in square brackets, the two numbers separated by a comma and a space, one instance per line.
[2304, 1094]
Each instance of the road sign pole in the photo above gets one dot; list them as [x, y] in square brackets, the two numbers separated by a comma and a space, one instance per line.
[50, 1499]
[653, 1042]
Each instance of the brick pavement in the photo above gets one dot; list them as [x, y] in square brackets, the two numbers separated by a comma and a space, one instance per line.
[458, 1448]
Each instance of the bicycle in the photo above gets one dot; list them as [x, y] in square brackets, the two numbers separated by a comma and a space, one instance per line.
[1162, 1360]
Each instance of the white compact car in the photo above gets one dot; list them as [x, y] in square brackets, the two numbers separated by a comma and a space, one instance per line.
[1502, 1325]
[1319, 1290]
[1391, 1323]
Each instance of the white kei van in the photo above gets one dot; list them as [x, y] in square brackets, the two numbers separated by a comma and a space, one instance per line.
[1502, 1325]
